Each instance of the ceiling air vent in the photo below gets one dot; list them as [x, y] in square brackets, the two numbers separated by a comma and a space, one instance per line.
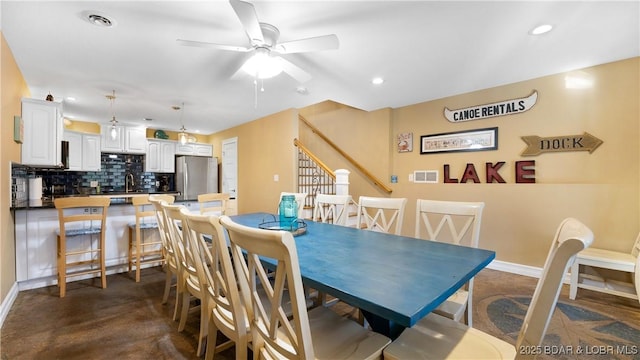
[425, 176]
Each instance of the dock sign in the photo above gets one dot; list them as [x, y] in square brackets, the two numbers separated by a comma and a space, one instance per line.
[537, 145]
[508, 107]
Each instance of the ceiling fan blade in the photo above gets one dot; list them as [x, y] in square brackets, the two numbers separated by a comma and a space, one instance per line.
[319, 43]
[212, 45]
[294, 71]
[247, 14]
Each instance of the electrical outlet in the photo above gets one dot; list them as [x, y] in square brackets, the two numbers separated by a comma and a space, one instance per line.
[157, 183]
[276, 177]
[94, 184]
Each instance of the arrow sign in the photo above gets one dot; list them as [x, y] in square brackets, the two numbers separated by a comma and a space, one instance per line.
[537, 145]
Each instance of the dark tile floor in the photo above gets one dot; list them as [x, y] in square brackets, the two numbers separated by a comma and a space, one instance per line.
[127, 321]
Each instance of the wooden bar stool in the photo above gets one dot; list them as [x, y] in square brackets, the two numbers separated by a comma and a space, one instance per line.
[213, 203]
[81, 217]
[143, 249]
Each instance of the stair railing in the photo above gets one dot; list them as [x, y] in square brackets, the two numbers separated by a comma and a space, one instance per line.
[353, 162]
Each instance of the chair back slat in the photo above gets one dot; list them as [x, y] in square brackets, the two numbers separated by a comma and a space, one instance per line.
[461, 219]
[381, 214]
[331, 209]
[571, 237]
[273, 334]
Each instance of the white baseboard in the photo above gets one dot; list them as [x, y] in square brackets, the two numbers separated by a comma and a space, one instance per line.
[7, 303]
[519, 269]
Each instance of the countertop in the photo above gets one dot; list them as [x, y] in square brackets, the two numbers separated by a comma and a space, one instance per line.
[117, 198]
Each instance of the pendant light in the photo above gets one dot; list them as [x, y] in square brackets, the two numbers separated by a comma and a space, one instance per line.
[182, 136]
[114, 131]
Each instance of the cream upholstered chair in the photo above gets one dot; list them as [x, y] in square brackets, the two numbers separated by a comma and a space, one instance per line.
[456, 222]
[213, 203]
[317, 334]
[226, 311]
[598, 259]
[300, 199]
[381, 214]
[442, 338]
[81, 217]
[143, 249]
[188, 278]
[168, 253]
[332, 209]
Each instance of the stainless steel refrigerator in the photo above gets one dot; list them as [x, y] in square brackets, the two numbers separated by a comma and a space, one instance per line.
[196, 175]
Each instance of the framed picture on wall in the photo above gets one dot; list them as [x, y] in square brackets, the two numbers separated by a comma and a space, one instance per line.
[405, 142]
[469, 140]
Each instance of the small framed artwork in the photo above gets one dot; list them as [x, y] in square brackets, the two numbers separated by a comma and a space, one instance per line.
[470, 140]
[18, 129]
[405, 142]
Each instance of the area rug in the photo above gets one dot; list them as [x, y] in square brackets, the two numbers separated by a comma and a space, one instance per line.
[575, 332]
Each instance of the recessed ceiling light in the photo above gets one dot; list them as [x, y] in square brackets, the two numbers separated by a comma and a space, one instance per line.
[541, 29]
[70, 98]
[302, 90]
[98, 19]
[377, 81]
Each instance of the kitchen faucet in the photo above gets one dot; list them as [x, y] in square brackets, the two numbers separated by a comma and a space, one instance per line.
[128, 182]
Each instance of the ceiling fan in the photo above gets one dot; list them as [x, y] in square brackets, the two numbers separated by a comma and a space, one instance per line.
[264, 44]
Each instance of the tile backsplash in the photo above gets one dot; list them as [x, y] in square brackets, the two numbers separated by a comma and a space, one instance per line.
[115, 167]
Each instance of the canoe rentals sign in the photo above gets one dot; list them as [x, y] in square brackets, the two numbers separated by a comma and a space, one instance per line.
[537, 145]
[507, 107]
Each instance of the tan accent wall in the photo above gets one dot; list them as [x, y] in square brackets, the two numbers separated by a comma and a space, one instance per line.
[602, 188]
[265, 149]
[12, 89]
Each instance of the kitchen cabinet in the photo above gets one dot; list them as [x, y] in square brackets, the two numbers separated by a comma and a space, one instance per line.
[42, 121]
[84, 151]
[160, 156]
[194, 149]
[129, 139]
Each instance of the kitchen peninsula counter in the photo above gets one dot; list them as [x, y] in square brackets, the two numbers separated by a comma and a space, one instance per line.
[117, 198]
[36, 225]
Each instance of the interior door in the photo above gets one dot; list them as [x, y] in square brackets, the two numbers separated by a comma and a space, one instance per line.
[230, 167]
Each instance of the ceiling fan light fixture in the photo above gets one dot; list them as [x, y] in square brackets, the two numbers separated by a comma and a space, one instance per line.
[262, 66]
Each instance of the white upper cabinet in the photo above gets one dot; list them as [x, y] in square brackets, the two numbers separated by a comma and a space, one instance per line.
[129, 139]
[91, 160]
[41, 144]
[84, 151]
[194, 149]
[160, 156]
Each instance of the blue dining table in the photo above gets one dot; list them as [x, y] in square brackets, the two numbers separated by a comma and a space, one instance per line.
[394, 280]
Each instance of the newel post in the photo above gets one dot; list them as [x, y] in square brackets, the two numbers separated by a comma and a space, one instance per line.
[342, 182]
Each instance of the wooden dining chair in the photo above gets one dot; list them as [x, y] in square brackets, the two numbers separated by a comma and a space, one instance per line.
[168, 253]
[225, 312]
[333, 209]
[597, 260]
[188, 280]
[438, 337]
[300, 199]
[213, 203]
[144, 248]
[381, 214]
[81, 218]
[317, 334]
[455, 222]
